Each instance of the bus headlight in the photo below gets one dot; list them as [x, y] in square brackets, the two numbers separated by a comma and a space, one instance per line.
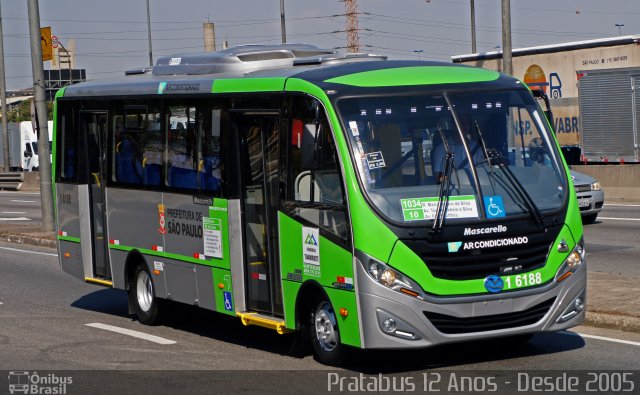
[572, 262]
[392, 279]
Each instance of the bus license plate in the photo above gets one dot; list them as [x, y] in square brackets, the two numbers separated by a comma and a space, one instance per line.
[583, 203]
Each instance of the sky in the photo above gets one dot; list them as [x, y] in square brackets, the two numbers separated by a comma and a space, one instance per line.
[111, 35]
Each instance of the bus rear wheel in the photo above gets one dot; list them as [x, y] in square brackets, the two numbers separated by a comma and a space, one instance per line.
[324, 333]
[143, 297]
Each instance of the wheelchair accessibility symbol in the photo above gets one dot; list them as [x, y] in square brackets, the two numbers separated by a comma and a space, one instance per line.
[494, 207]
[228, 306]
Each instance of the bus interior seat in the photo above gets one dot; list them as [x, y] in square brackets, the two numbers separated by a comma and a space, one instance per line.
[180, 177]
[152, 174]
[128, 166]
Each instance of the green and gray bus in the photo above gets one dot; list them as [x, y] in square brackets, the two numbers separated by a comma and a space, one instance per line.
[358, 201]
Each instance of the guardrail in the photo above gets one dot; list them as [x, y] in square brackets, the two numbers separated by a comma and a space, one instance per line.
[12, 181]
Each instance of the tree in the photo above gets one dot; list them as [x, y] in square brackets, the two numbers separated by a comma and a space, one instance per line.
[22, 112]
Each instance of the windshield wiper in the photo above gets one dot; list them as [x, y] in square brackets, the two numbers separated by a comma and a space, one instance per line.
[445, 185]
[494, 158]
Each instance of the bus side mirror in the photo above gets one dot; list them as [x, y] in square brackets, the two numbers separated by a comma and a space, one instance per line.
[27, 154]
[541, 96]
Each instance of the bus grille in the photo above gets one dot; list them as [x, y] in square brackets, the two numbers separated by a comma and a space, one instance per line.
[454, 325]
[473, 264]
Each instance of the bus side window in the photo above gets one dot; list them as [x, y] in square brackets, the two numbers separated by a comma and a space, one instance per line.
[315, 191]
[68, 147]
[208, 129]
[128, 131]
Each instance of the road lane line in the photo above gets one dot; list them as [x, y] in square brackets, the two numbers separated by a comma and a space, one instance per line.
[129, 332]
[22, 201]
[13, 212]
[607, 339]
[28, 251]
[16, 219]
[622, 205]
[620, 219]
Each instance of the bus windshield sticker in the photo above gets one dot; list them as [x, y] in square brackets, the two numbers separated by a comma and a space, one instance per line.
[367, 174]
[375, 160]
[494, 206]
[175, 61]
[311, 251]
[353, 125]
[420, 209]
[212, 237]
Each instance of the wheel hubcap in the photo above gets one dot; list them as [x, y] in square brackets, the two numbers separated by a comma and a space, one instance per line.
[144, 291]
[325, 324]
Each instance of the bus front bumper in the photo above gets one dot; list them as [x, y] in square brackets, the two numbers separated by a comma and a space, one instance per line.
[390, 319]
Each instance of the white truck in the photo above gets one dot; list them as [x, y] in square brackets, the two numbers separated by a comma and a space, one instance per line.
[23, 146]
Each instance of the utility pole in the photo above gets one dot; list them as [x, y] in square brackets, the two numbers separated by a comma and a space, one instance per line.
[353, 39]
[507, 66]
[46, 194]
[473, 27]
[3, 102]
[149, 35]
[283, 28]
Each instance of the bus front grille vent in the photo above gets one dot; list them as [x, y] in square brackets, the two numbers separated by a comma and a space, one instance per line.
[455, 325]
[482, 262]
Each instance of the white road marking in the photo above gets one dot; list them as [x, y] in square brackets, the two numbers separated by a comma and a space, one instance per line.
[620, 219]
[18, 193]
[27, 251]
[13, 212]
[607, 339]
[622, 205]
[16, 219]
[129, 332]
[22, 201]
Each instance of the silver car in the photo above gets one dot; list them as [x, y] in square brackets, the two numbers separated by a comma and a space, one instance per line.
[590, 196]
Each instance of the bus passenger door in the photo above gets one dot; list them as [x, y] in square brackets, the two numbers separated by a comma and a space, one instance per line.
[259, 137]
[93, 126]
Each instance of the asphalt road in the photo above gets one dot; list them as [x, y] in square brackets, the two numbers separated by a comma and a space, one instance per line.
[49, 320]
[20, 207]
[613, 241]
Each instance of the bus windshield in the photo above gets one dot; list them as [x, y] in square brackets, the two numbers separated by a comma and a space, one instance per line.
[487, 154]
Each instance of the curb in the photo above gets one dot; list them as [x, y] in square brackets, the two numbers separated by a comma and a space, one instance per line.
[612, 321]
[25, 239]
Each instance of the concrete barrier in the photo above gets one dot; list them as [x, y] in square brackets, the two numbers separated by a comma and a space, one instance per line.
[620, 182]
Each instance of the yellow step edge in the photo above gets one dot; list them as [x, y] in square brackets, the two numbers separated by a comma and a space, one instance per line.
[99, 282]
[255, 319]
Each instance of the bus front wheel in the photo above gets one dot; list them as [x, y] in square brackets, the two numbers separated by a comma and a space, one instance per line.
[324, 333]
[143, 297]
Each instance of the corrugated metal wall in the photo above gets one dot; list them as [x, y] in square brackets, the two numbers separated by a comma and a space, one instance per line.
[607, 113]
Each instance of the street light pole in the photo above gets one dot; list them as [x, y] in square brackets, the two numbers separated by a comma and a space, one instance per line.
[619, 26]
[282, 24]
[507, 66]
[46, 193]
[419, 51]
[149, 35]
[3, 102]
[473, 27]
